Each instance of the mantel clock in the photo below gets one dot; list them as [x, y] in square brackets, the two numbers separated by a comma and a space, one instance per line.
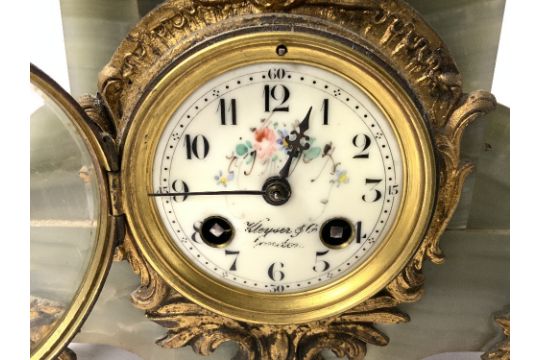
[277, 172]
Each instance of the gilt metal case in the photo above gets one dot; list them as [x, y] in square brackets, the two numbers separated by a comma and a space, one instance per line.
[391, 34]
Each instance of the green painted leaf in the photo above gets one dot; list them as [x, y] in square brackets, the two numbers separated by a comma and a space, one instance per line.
[241, 149]
[312, 153]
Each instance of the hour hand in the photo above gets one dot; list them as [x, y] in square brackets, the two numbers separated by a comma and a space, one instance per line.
[304, 125]
[296, 145]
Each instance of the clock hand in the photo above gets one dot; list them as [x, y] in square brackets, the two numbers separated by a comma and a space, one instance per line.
[275, 191]
[304, 125]
[296, 147]
[195, 193]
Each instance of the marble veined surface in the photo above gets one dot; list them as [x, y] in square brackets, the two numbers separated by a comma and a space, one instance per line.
[107, 352]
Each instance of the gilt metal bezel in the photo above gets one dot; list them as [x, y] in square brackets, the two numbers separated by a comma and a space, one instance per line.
[53, 345]
[166, 95]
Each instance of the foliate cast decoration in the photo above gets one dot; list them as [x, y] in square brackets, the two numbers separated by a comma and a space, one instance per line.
[390, 26]
[272, 5]
[501, 350]
[190, 324]
[67, 354]
[406, 43]
[408, 285]
[346, 335]
[152, 290]
[44, 317]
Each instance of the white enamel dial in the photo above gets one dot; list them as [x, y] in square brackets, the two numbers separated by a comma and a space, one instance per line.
[302, 126]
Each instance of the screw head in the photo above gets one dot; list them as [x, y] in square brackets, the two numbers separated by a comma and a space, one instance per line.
[281, 50]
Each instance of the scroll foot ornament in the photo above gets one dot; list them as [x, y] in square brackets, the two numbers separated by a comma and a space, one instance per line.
[44, 316]
[345, 335]
[501, 351]
[67, 354]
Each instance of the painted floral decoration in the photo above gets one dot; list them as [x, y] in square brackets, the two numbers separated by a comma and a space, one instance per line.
[223, 179]
[265, 143]
[269, 147]
[340, 178]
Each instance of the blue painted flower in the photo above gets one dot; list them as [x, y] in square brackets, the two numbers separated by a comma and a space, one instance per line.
[222, 179]
[340, 178]
[282, 139]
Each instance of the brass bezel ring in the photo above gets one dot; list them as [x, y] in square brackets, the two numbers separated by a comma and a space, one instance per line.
[98, 265]
[167, 93]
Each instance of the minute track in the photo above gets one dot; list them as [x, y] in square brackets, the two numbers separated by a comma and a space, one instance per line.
[262, 149]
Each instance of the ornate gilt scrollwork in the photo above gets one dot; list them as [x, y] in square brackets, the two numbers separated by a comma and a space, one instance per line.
[396, 34]
[44, 315]
[190, 324]
[501, 350]
[403, 39]
[408, 286]
[345, 335]
[67, 354]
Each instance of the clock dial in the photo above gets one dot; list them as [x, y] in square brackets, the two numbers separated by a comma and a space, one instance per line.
[285, 177]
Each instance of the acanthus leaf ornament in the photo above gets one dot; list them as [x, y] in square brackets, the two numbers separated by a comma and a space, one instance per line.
[389, 26]
[67, 354]
[274, 5]
[345, 335]
[395, 33]
[408, 286]
[501, 350]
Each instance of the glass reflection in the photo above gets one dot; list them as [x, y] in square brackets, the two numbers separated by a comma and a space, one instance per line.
[64, 210]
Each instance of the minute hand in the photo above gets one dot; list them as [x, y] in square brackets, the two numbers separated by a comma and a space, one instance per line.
[296, 145]
[225, 192]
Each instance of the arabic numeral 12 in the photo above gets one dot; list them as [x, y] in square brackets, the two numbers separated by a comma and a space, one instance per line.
[277, 94]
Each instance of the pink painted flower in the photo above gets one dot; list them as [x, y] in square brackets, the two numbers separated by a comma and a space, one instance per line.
[265, 143]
